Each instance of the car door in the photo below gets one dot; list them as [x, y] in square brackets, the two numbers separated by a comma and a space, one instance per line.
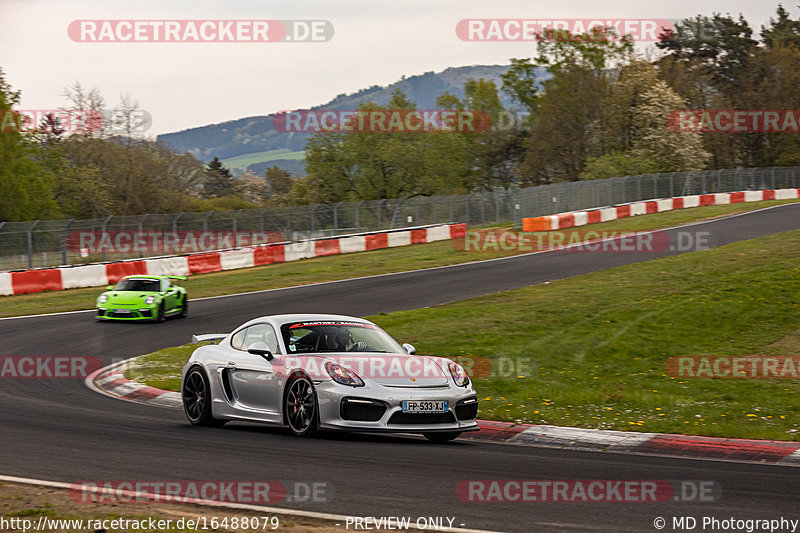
[253, 380]
[170, 295]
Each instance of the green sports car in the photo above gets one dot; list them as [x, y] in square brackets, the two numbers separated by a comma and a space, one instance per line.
[143, 298]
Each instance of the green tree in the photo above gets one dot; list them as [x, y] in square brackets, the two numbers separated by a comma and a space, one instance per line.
[25, 186]
[218, 180]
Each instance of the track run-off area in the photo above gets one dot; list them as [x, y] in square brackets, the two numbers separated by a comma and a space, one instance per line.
[59, 430]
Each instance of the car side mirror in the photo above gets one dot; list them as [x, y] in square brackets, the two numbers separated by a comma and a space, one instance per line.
[409, 348]
[261, 348]
[111, 287]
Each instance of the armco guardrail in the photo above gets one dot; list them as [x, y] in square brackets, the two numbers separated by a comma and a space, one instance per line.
[95, 275]
[48, 243]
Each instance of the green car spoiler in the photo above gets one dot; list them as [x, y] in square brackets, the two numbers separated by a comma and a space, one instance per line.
[182, 278]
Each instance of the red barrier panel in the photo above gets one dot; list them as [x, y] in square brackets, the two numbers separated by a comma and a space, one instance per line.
[651, 207]
[707, 199]
[327, 247]
[117, 271]
[623, 211]
[458, 231]
[566, 221]
[419, 236]
[677, 203]
[769, 195]
[593, 217]
[266, 255]
[737, 197]
[378, 240]
[36, 281]
[203, 263]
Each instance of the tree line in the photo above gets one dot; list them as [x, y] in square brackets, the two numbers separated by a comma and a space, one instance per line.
[600, 112]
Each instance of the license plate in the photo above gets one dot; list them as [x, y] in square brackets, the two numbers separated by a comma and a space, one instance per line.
[122, 311]
[425, 406]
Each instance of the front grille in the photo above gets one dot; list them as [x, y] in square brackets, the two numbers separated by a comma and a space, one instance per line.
[362, 410]
[422, 418]
[467, 409]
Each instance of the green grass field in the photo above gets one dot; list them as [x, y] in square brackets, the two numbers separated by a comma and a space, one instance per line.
[591, 351]
[348, 265]
[245, 160]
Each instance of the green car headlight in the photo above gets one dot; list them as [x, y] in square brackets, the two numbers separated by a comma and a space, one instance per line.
[103, 299]
[150, 300]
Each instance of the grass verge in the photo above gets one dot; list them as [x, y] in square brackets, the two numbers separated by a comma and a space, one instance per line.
[350, 265]
[591, 350]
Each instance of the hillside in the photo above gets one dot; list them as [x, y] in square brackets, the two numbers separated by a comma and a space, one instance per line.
[255, 144]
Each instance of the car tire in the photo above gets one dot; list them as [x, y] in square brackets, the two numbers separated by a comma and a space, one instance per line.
[160, 314]
[184, 308]
[443, 437]
[196, 398]
[300, 407]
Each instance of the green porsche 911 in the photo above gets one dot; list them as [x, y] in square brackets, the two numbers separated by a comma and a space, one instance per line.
[143, 297]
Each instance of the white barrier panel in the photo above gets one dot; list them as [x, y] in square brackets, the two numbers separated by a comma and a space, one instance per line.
[168, 266]
[401, 238]
[785, 194]
[84, 276]
[639, 208]
[722, 198]
[236, 259]
[665, 205]
[352, 244]
[609, 213]
[5, 284]
[438, 233]
[753, 196]
[691, 201]
[581, 218]
[298, 250]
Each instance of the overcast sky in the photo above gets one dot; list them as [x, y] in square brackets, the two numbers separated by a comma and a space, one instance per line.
[184, 85]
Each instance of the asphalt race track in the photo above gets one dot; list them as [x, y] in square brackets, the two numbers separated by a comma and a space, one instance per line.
[59, 430]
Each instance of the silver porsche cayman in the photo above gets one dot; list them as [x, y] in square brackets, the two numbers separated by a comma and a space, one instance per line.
[310, 372]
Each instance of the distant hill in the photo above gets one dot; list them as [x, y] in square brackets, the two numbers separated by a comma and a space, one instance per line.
[252, 142]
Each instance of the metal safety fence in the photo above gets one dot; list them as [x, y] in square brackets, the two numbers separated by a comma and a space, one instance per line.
[47, 243]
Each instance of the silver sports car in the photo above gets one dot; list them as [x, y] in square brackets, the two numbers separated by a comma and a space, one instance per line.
[310, 372]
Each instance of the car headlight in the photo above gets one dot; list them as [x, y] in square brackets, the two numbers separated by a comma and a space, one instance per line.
[149, 300]
[343, 375]
[103, 299]
[460, 376]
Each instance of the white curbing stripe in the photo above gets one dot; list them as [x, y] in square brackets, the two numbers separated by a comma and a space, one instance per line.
[793, 459]
[691, 201]
[6, 288]
[83, 276]
[357, 243]
[786, 194]
[581, 218]
[168, 266]
[236, 259]
[753, 196]
[665, 205]
[609, 213]
[565, 437]
[438, 233]
[400, 238]
[639, 208]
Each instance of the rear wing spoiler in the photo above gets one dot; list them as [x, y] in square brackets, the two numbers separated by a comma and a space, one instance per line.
[214, 337]
[182, 278]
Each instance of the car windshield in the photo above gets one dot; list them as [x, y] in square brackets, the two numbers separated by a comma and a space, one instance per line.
[138, 284]
[336, 336]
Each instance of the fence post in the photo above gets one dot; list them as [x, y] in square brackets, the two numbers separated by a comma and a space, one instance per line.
[175, 222]
[336, 217]
[452, 201]
[289, 223]
[205, 221]
[312, 216]
[358, 216]
[141, 230]
[261, 219]
[236, 228]
[105, 223]
[30, 243]
[64, 241]
[469, 198]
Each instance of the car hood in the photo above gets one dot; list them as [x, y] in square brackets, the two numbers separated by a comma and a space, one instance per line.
[128, 297]
[389, 370]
